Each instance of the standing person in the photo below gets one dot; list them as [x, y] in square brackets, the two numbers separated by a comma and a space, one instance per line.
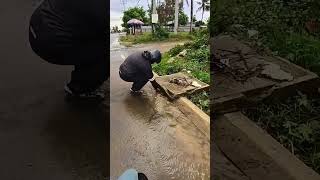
[137, 69]
[73, 32]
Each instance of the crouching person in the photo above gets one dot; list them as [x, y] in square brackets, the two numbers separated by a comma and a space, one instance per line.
[137, 69]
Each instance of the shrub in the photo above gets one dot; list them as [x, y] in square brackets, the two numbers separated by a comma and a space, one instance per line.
[161, 33]
[199, 55]
[295, 123]
[176, 50]
[199, 23]
[202, 101]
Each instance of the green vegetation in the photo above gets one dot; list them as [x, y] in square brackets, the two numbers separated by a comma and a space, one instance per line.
[162, 36]
[166, 13]
[295, 124]
[194, 59]
[200, 23]
[290, 29]
[202, 101]
[134, 13]
[183, 18]
[160, 33]
[299, 49]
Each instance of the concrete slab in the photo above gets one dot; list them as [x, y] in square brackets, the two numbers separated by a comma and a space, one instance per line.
[246, 76]
[221, 167]
[199, 118]
[255, 152]
[181, 84]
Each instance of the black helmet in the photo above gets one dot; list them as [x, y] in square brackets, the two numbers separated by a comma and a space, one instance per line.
[155, 56]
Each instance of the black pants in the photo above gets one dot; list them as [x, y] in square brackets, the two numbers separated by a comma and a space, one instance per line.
[88, 56]
[138, 81]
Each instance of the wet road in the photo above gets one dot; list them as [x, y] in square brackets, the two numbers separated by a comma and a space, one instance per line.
[41, 135]
[150, 134]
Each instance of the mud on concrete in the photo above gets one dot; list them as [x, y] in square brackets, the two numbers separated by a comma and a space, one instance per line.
[154, 137]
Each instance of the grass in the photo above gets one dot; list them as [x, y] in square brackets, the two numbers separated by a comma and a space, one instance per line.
[199, 70]
[202, 101]
[148, 37]
[295, 123]
[281, 27]
[195, 62]
[301, 49]
[171, 65]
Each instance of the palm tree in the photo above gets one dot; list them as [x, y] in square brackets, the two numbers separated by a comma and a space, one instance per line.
[204, 6]
[191, 13]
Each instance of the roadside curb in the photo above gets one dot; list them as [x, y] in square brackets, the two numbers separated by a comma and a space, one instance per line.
[255, 152]
[199, 118]
[195, 114]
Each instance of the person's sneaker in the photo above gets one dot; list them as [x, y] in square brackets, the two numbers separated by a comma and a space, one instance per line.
[98, 94]
[136, 92]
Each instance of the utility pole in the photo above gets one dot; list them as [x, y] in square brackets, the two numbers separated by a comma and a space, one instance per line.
[154, 7]
[176, 16]
[154, 17]
[191, 16]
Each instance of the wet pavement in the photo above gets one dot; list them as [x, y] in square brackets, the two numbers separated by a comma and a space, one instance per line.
[41, 135]
[148, 133]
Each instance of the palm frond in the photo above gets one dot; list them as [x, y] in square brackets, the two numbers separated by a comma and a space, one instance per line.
[187, 2]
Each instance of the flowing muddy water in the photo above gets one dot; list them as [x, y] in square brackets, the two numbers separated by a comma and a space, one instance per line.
[151, 135]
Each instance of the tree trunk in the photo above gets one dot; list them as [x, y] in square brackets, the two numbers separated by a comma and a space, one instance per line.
[176, 17]
[191, 16]
[152, 25]
[202, 15]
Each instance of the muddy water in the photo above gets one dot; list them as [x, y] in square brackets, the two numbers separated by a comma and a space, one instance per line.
[150, 134]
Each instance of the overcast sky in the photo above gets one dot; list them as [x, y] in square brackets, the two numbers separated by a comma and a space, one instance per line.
[116, 10]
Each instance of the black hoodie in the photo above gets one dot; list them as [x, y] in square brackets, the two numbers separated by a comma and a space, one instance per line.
[71, 21]
[137, 66]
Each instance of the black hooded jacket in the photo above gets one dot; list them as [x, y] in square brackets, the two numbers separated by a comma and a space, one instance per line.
[71, 21]
[137, 66]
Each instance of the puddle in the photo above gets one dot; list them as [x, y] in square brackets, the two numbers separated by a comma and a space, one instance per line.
[156, 138]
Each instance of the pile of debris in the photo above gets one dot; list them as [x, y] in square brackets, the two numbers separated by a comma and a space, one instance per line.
[183, 81]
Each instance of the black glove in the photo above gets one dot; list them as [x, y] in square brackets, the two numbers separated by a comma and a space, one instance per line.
[155, 85]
